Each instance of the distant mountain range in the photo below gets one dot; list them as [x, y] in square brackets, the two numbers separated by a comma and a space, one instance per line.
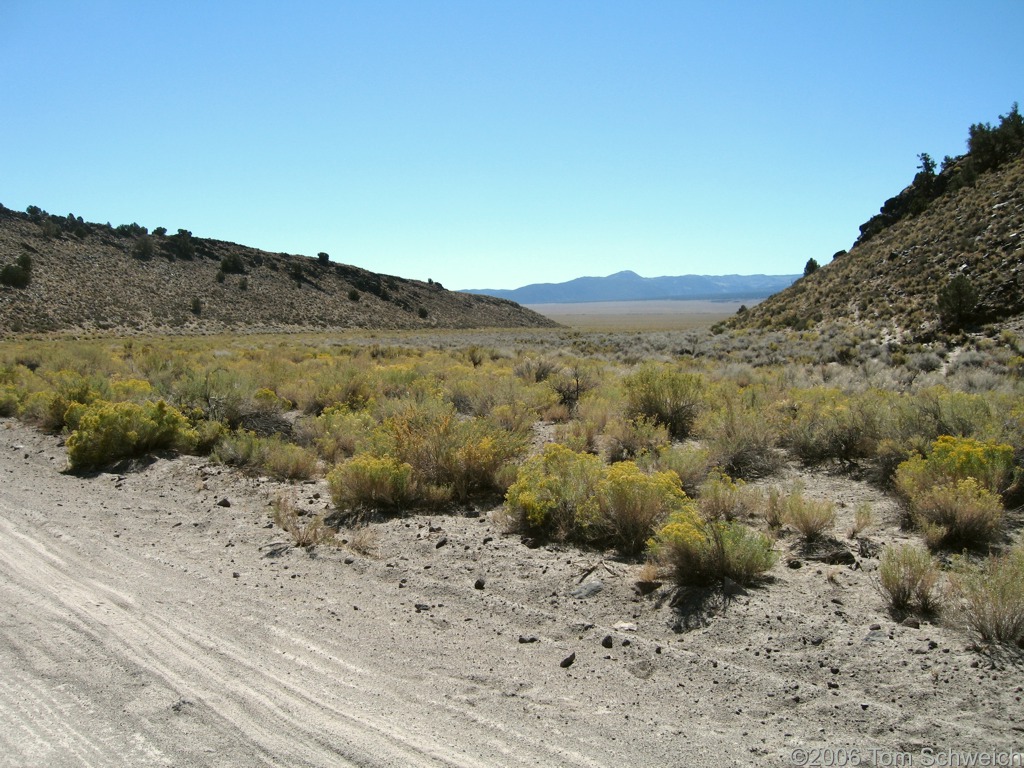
[629, 286]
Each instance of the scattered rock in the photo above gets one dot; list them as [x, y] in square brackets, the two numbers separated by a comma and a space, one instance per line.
[529, 639]
[607, 641]
[441, 542]
[625, 626]
[568, 661]
[911, 622]
[794, 563]
[349, 559]
[875, 627]
[587, 589]
[479, 584]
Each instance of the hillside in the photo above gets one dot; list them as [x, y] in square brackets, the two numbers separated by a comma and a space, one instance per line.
[911, 251]
[87, 277]
[629, 286]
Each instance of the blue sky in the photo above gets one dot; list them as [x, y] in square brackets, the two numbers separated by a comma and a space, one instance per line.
[490, 144]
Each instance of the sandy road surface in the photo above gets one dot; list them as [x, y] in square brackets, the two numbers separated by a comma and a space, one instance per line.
[141, 623]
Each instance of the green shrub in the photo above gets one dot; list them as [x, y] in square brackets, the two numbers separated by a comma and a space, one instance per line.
[702, 552]
[10, 400]
[909, 578]
[952, 492]
[466, 456]
[740, 441]
[555, 493]
[631, 505]
[992, 598]
[271, 455]
[14, 276]
[372, 482]
[107, 432]
[690, 462]
[633, 438]
[669, 397]
[826, 425]
[722, 498]
[952, 459]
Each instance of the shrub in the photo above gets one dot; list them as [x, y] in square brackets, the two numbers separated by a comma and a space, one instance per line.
[706, 552]
[143, 248]
[336, 433]
[465, 456]
[555, 493]
[952, 459]
[107, 432]
[957, 303]
[633, 438]
[992, 598]
[372, 481]
[691, 463]
[961, 514]
[232, 264]
[722, 498]
[272, 455]
[14, 276]
[909, 578]
[572, 383]
[669, 397]
[740, 442]
[632, 503]
[810, 517]
[828, 425]
[952, 492]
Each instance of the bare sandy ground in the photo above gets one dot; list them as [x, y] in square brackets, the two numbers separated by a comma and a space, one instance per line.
[641, 315]
[142, 623]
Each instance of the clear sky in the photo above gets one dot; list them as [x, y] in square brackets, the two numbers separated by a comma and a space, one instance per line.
[491, 144]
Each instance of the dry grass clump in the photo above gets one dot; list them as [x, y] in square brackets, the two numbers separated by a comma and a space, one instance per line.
[810, 517]
[863, 520]
[306, 533]
[991, 598]
[909, 579]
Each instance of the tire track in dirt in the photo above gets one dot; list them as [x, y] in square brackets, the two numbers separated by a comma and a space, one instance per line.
[295, 702]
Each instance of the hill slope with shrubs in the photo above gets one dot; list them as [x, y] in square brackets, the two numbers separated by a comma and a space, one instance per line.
[944, 254]
[65, 274]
